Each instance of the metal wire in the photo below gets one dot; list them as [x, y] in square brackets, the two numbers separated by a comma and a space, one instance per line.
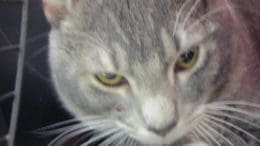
[19, 76]
[6, 96]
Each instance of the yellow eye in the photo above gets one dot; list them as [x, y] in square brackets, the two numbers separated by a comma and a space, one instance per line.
[187, 60]
[110, 79]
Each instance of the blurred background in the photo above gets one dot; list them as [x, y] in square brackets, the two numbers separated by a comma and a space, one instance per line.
[39, 104]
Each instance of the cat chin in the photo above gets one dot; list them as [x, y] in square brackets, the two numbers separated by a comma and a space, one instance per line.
[181, 133]
[141, 135]
[145, 137]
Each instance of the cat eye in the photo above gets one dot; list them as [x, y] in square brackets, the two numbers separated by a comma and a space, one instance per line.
[187, 60]
[110, 79]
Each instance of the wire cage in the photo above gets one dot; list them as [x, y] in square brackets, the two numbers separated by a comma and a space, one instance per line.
[27, 98]
[10, 136]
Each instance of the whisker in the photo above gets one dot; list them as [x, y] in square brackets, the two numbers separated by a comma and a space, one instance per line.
[208, 133]
[234, 126]
[8, 47]
[189, 13]
[37, 73]
[179, 14]
[195, 135]
[198, 129]
[5, 36]
[74, 131]
[225, 129]
[67, 123]
[131, 143]
[127, 140]
[111, 139]
[16, 46]
[135, 143]
[190, 123]
[57, 125]
[204, 17]
[100, 136]
[242, 103]
[219, 113]
[38, 52]
[218, 134]
[233, 109]
[122, 140]
[6, 96]
[38, 37]
[78, 129]
[230, 8]
[53, 132]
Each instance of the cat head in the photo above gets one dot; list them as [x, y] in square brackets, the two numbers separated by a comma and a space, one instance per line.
[154, 69]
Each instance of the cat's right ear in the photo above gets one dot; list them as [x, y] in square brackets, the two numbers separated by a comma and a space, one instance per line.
[56, 11]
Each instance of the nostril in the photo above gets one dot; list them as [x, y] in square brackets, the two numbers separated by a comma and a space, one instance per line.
[165, 130]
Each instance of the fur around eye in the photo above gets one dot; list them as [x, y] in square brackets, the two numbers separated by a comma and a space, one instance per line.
[110, 79]
[187, 60]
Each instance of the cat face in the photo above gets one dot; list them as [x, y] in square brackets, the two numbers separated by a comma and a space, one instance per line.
[152, 70]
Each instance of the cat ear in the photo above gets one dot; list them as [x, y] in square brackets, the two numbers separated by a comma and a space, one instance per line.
[57, 10]
[226, 9]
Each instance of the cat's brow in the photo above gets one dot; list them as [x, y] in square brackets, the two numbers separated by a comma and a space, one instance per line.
[119, 57]
[168, 44]
[108, 59]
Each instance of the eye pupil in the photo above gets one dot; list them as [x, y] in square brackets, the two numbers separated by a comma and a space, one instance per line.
[187, 57]
[110, 75]
[187, 60]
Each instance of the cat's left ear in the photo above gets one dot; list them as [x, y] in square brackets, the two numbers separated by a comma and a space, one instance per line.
[57, 10]
[226, 10]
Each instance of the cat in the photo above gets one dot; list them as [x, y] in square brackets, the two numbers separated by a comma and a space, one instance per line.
[157, 72]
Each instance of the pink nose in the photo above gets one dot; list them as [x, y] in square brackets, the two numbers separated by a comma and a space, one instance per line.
[160, 115]
[164, 130]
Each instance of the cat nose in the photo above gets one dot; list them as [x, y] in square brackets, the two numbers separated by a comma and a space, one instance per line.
[164, 130]
[159, 115]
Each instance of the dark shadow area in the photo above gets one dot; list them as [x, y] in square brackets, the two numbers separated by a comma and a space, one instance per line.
[40, 106]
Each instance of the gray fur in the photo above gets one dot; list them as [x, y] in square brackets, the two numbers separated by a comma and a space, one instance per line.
[136, 39]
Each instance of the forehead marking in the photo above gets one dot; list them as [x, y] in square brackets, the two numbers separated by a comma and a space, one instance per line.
[121, 56]
[153, 63]
[168, 43]
[118, 27]
[106, 60]
[151, 21]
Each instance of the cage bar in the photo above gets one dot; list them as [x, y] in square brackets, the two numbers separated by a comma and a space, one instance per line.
[19, 75]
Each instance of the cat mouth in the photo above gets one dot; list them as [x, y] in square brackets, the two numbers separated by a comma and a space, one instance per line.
[147, 137]
[188, 132]
[182, 131]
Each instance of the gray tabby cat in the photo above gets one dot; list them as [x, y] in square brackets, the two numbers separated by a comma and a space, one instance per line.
[159, 72]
